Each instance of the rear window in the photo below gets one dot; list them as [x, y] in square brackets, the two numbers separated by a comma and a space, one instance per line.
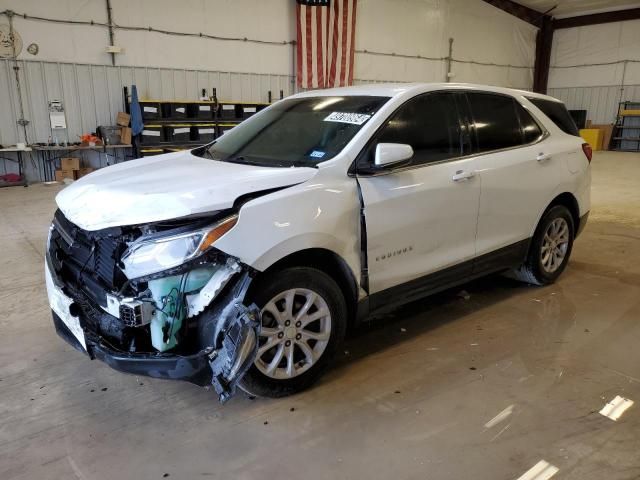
[558, 114]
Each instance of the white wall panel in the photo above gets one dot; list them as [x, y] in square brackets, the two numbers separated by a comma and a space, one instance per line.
[601, 102]
[92, 94]
[423, 28]
[595, 67]
[404, 27]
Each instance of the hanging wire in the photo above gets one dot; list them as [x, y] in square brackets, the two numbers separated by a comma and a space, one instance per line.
[596, 64]
[245, 39]
[145, 29]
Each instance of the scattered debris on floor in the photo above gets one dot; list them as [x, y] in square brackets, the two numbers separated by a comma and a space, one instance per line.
[464, 294]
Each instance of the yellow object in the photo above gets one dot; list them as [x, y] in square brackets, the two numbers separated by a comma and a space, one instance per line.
[593, 136]
[218, 231]
[630, 112]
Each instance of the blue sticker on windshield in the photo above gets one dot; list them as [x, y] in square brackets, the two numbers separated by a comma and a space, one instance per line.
[317, 154]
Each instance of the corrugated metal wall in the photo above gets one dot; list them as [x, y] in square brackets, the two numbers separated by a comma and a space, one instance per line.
[92, 94]
[601, 103]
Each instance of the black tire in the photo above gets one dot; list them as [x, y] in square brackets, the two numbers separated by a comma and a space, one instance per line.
[532, 270]
[267, 287]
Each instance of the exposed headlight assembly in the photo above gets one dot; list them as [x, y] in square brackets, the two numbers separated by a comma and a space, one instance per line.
[146, 257]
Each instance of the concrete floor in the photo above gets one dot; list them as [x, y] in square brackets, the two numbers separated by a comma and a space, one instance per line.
[409, 398]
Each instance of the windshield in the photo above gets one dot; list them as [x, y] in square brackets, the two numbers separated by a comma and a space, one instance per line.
[296, 132]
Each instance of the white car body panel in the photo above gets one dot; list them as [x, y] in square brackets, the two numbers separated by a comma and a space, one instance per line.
[321, 207]
[419, 221]
[519, 183]
[165, 187]
[321, 213]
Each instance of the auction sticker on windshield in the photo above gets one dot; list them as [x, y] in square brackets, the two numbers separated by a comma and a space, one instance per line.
[344, 117]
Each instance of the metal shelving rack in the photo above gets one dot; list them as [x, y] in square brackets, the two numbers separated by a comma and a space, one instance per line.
[626, 131]
[221, 120]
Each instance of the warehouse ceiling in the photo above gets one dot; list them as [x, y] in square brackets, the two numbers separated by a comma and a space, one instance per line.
[569, 8]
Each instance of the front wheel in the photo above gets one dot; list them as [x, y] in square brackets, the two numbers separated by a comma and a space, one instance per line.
[304, 316]
[550, 248]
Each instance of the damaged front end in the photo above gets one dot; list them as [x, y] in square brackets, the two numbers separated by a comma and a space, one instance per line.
[155, 300]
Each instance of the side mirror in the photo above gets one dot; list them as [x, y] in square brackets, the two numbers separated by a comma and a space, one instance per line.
[392, 153]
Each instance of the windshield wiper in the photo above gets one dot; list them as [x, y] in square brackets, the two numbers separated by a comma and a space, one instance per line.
[244, 161]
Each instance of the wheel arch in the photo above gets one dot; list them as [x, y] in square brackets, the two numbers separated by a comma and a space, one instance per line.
[568, 200]
[329, 263]
[571, 202]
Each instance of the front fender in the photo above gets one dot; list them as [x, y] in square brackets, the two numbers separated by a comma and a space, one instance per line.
[321, 213]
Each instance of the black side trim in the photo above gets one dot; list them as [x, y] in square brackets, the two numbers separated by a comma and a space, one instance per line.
[420, 287]
[502, 259]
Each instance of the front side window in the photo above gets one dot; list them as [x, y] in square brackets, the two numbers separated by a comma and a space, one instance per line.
[296, 132]
[429, 124]
[496, 121]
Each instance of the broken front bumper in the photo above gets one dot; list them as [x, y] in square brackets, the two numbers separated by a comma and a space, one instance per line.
[232, 327]
[193, 368]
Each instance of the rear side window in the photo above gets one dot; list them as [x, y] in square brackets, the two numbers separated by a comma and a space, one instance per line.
[496, 121]
[557, 112]
[530, 129]
[429, 123]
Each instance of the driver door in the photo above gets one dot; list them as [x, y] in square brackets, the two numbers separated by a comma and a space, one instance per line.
[421, 217]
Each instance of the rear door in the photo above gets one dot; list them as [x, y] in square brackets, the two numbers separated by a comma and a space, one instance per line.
[518, 171]
[420, 217]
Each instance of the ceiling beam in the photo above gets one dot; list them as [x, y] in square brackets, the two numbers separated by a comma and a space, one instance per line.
[597, 18]
[544, 42]
[527, 14]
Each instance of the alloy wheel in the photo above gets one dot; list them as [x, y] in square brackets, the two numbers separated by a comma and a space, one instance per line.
[555, 244]
[296, 327]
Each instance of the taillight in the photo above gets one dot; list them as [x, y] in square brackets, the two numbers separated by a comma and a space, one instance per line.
[588, 151]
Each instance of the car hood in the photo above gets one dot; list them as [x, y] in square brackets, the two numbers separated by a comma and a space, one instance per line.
[164, 187]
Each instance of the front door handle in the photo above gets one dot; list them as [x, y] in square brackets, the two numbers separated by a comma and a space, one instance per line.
[543, 157]
[461, 175]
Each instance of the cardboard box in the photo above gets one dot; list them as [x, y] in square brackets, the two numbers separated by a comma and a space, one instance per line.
[123, 119]
[607, 132]
[69, 163]
[125, 136]
[62, 174]
[85, 171]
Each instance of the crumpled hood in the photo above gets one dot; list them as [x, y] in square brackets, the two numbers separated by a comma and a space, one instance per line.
[164, 187]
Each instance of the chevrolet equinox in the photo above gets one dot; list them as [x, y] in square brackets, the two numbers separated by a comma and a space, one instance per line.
[241, 263]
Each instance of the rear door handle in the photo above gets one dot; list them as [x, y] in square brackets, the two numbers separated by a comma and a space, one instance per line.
[461, 175]
[543, 157]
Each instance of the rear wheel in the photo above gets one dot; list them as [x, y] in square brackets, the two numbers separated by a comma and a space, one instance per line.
[550, 248]
[303, 315]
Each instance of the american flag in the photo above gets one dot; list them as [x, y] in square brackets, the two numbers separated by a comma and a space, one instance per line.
[325, 46]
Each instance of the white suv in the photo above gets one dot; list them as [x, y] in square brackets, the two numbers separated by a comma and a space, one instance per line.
[243, 262]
